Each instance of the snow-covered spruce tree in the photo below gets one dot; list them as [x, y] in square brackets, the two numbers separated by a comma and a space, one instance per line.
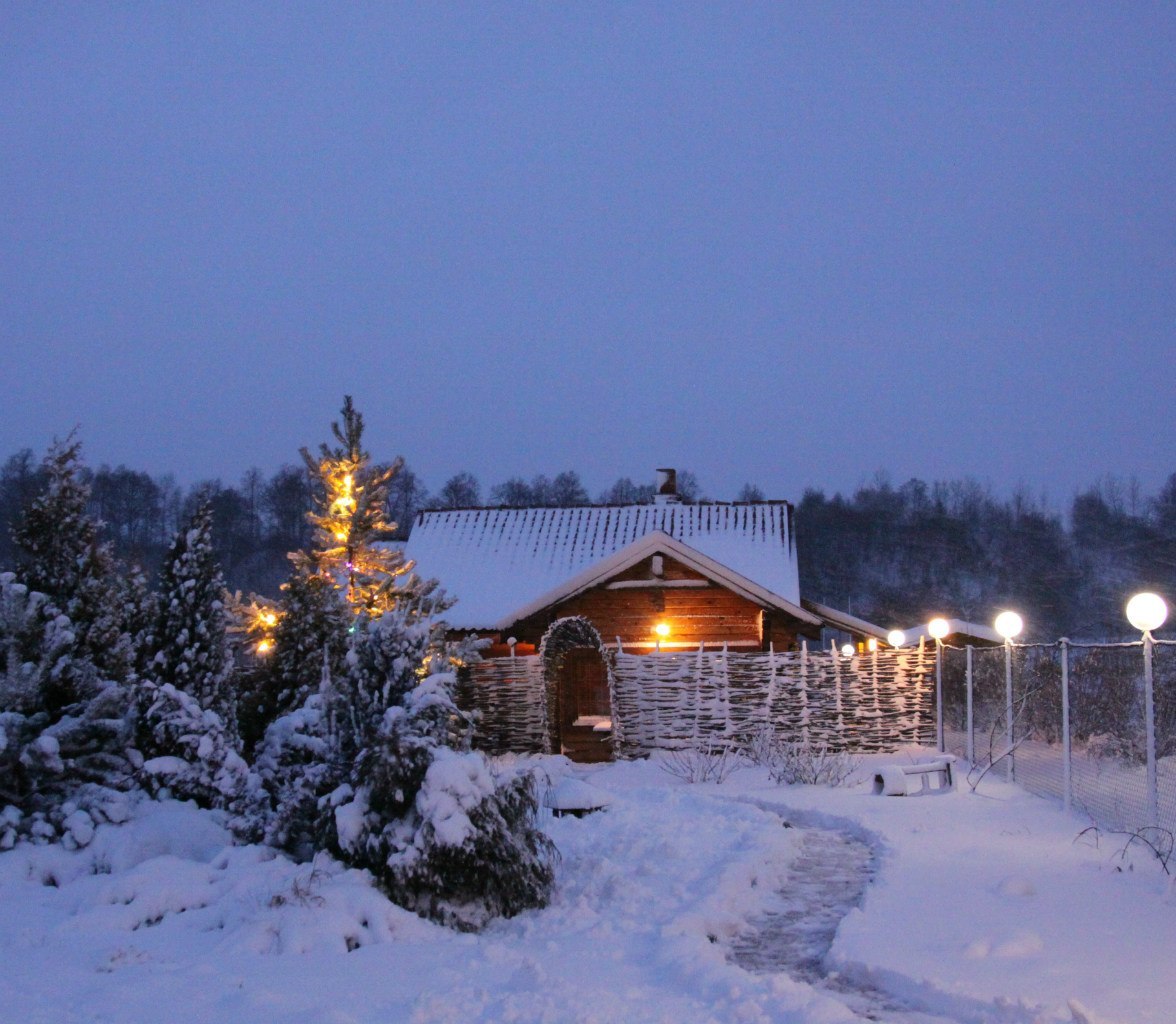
[347, 560]
[187, 711]
[310, 618]
[441, 833]
[349, 517]
[69, 735]
[61, 557]
[63, 768]
[299, 765]
[191, 645]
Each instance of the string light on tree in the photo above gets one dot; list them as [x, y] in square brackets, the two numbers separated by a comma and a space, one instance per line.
[350, 519]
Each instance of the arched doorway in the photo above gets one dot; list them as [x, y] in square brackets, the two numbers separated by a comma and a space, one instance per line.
[577, 676]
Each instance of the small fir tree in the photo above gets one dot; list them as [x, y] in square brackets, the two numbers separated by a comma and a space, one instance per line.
[62, 558]
[441, 833]
[191, 645]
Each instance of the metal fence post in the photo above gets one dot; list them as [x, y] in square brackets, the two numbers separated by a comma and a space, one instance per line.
[1010, 766]
[939, 696]
[1067, 777]
[970, 732]
[1149, 714]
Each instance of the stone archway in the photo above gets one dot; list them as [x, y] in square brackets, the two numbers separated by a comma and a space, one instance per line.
[576, 671]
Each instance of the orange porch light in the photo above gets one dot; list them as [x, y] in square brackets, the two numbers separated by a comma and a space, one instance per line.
[662, 629]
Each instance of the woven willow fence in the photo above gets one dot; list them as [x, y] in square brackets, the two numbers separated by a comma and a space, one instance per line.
[510, 700]
[870, 702]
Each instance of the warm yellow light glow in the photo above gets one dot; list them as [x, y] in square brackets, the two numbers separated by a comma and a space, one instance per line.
[871, 644]
[1147, 612]
[662, 630]
[938, 628]
[847, 650]
[340, 535]
[896, 638]
[1008, 625]
[269, 618]
[265, 646]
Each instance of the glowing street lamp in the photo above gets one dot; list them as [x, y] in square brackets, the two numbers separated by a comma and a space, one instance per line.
[1146, 612]
[938, 628]
[1009, 625]
[896, 638]
[847, 650]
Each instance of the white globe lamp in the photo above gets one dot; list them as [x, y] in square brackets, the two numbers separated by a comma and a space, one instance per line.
[1009, 625]
[896, 638]
[1147, 612]
[938, 628]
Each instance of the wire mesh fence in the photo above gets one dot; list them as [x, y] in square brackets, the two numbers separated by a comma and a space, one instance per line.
[1070, 721]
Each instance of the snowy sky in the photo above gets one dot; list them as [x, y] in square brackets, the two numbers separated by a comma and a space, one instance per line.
[793, 244]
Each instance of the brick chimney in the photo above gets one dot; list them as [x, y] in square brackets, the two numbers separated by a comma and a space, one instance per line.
[666, 490]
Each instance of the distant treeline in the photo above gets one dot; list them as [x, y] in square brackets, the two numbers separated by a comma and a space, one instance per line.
[892, 555]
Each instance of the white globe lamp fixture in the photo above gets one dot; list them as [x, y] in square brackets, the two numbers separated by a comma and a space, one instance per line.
[1009, 625]
[1147, 612]
[938, 628]
[847, 650]
[896, 638]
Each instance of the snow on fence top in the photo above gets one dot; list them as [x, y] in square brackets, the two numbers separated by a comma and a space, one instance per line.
[496, 561]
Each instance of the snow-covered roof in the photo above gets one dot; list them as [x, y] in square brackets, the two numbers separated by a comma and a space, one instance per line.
[843, 620]
[499, 562]
[954, 627]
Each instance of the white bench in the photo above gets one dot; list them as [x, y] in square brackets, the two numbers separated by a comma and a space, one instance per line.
[893, 779]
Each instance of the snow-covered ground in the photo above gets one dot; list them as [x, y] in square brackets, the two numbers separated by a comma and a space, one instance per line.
[985, 907]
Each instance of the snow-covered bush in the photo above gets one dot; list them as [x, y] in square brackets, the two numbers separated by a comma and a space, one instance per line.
[708, 762]
[809, 764]
[440, 831]
[189, 754]
[298, 766]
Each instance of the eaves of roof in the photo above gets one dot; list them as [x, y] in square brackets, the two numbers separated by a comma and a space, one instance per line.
[652, 543]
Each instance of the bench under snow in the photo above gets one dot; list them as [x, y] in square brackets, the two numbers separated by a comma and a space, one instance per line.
[571, 796]
[893, 779]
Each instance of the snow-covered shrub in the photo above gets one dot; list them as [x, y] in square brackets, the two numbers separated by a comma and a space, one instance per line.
[188, 752]
[299, 769]
[441, 833]
[809, 764]
[708, 762]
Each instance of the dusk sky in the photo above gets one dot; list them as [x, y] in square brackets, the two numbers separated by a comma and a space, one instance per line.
[793, 244]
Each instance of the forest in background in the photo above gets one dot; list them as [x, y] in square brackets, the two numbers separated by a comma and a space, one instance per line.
[893, 555]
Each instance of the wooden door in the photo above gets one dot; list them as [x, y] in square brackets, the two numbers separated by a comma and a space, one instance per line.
[584, 703]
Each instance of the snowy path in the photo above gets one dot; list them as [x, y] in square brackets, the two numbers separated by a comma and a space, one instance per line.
[794, 935]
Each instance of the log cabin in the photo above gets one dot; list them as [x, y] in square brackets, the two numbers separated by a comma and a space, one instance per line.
[646, 577]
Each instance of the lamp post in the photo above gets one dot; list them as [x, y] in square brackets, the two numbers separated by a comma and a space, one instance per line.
[1009, 625]
[938, 628]
[1147, 612]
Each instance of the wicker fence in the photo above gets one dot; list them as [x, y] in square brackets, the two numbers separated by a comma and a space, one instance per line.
[870, 702]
